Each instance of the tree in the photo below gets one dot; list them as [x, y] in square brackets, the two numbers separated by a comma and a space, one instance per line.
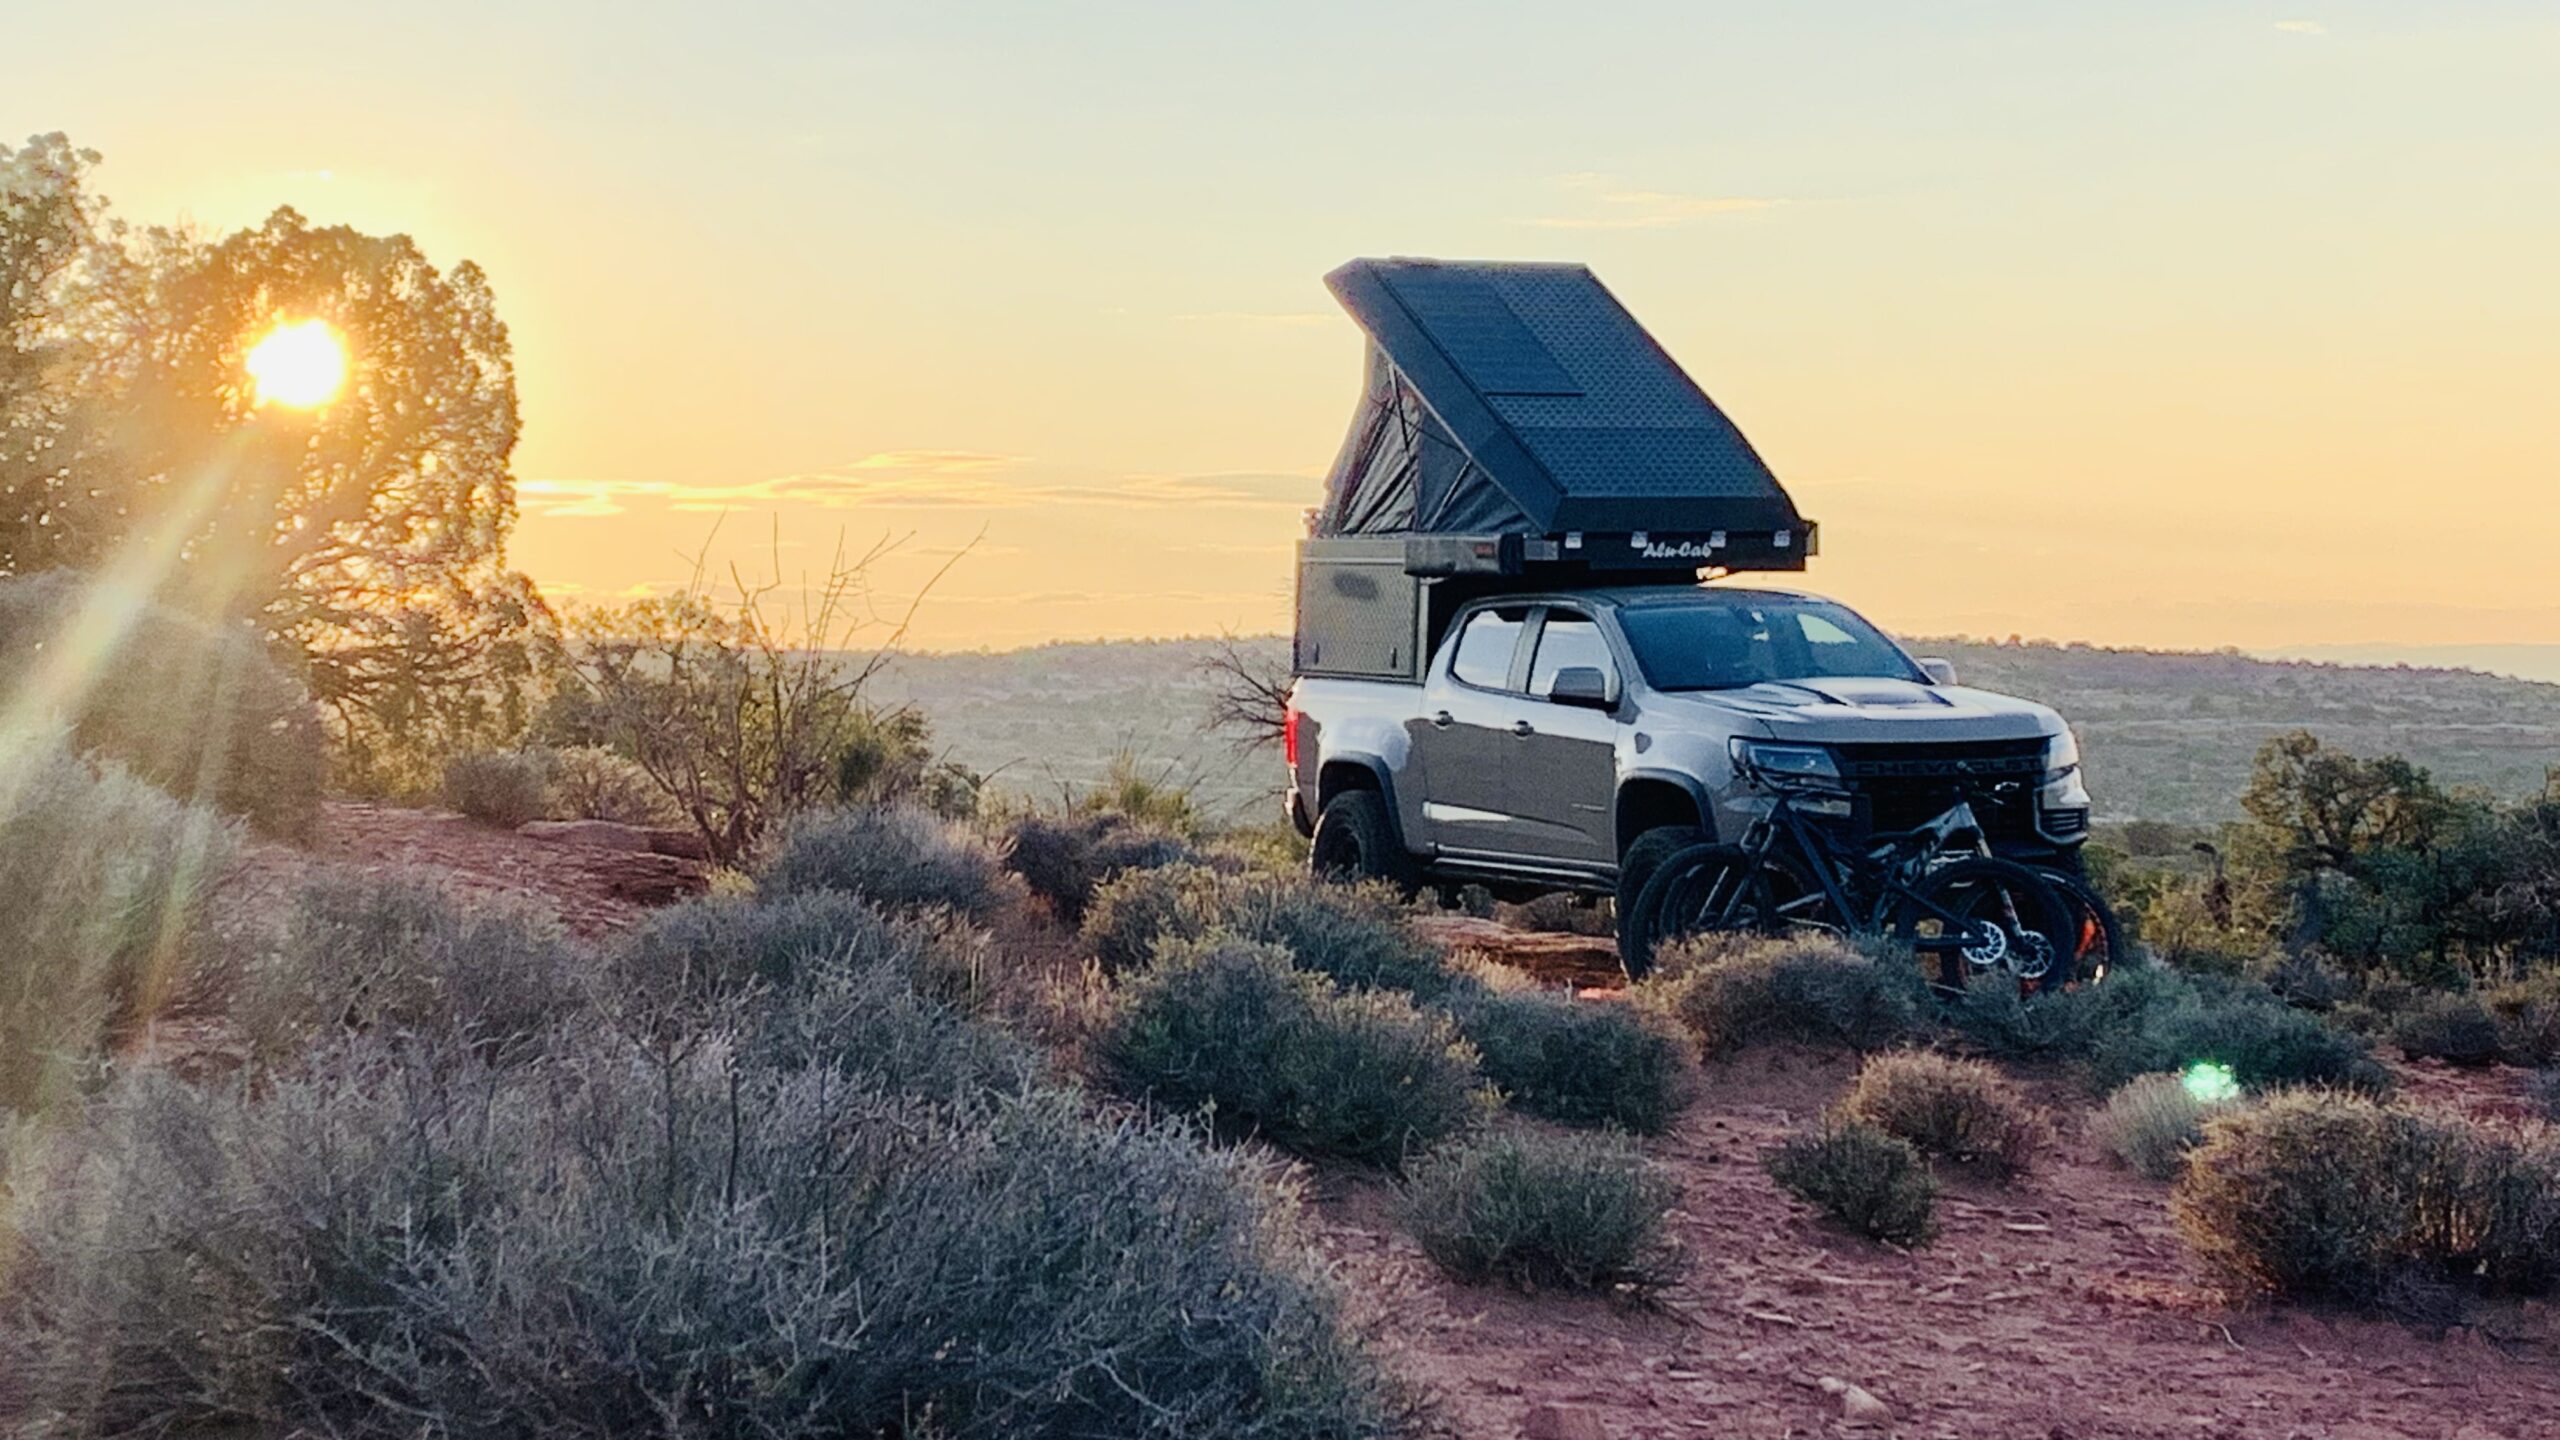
[366, 538]
[1249, 695]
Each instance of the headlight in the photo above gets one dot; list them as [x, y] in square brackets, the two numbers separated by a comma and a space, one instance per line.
[1801, 763]
[2061, 755]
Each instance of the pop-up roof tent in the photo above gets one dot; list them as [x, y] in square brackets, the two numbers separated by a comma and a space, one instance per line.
[1522, 400]
[1518, 428]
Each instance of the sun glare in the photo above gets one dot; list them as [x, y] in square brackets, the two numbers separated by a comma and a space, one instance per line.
[300, 364]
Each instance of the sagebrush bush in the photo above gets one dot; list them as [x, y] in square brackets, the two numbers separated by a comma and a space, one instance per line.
[1233, 1028]
[2456, 1029]
[2263, 1042]
[1065, 858]
[101, 880]
[2150, 1123]
[2544, 1091]
[1581, 1212]
[1133, 912]
[404, 952]
[1962, 1111]
[2327, 1194]
[897, 857]
[1579, 1062]
[1876, 1184]
[197, 708]
[1818, 991]
[591, 782]
[704, 953]
[504, 788]
[1353, 933]
[388, 1245]
[2528, 1016]
[1992, 1017]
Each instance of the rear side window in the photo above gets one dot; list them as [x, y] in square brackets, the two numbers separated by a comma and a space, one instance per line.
[1567, 642]
[1485, 646]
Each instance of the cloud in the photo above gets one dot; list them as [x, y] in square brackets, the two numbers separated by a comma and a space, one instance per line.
[2302, 27]
[1614, 205]
[920, 480]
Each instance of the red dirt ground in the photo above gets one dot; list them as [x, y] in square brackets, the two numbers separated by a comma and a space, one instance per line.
[2062, 1309]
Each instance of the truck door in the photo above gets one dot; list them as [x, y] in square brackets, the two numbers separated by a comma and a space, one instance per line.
[1463, 736]
[1563, 774]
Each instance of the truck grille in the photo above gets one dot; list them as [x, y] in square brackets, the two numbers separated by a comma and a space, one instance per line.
[1906, 785]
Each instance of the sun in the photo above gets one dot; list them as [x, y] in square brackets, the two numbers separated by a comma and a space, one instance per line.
[301, 364]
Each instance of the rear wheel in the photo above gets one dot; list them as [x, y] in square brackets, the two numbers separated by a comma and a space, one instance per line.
[1981, 915]
[1356, 839]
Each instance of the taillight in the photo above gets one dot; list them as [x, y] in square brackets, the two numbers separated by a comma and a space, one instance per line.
[1289, 735]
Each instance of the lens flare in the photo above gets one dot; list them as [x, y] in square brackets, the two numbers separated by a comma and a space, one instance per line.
[2211, 1081]
[301, 364]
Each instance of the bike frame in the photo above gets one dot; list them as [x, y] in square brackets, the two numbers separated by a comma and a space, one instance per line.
[1898, 862]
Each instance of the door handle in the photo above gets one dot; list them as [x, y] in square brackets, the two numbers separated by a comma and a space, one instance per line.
[1442, 721]
[1523, 727]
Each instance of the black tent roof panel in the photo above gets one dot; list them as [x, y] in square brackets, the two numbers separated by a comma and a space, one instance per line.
[1561, 397]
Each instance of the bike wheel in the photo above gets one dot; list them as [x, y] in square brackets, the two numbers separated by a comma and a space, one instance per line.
[1982, 915]
[2096, 939]
[1702, 887]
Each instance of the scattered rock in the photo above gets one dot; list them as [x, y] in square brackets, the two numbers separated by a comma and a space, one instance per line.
[682, 844]
[1856, 1405]
[1562, 1422]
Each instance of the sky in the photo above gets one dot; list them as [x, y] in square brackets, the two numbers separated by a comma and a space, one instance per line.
[2169, 323]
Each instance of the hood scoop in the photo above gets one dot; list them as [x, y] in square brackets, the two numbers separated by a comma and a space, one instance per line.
[1867, 694]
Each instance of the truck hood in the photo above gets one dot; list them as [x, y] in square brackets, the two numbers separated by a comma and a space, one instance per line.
[1863, 709]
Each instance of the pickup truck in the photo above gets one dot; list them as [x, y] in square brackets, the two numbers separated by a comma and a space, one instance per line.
[1566, 740]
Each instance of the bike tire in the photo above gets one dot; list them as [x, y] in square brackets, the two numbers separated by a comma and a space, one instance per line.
[1948, 897]
[2098, 945]
[1674, 897]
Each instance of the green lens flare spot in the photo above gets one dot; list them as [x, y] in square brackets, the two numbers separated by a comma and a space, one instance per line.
[2211, 1081]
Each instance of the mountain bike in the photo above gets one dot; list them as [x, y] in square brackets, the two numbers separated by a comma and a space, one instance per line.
[1936, 888]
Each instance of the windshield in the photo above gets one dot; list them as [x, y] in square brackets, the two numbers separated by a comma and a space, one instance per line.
[1727, 641]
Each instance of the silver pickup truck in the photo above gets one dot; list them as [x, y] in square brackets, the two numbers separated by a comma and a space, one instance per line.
[1553, 738]
[1514, 661]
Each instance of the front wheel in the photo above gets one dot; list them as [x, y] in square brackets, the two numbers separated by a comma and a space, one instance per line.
[1705, 888]
[1979, 916]
[1356, 839]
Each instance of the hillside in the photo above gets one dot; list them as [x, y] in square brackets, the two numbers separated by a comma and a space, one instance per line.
[2168, 736]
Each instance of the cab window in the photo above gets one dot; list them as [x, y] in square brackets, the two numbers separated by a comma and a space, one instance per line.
[1566, 642]
[1485, 647]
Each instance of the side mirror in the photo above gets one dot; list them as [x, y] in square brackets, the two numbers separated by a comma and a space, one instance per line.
[1586, 686]
[1940, 672]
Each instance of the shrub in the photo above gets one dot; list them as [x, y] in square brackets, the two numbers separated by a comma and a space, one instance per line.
[1872, 1182]
[590, 782]
[897, 857]
[712, 949]
[1581, 1212]
[1995, 1019]
[1265, 1048]
[2544, 1091]
[1818, 991]
[1353, 933]
[100, 882]
[2528, 1015]
[1958, 1110]
[1575, 1061]
[2328, 1194]
[404, 952]
[2150, 1123]
[389, 1246]
[1131, 914]
[2456, 1029]
[1065, 858]
[196, 708]
[2263, 1043]
[504, 788]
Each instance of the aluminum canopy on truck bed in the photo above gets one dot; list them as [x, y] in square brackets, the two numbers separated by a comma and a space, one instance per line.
[1518, 428]
[1521, 399]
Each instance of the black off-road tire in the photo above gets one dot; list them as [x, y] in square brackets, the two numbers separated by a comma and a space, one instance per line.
[1356, 839]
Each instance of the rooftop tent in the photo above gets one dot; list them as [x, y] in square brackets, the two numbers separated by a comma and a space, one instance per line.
[1517, 399]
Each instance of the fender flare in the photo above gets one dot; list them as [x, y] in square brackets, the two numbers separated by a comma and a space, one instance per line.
[1378, 771]
[1685, 783]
